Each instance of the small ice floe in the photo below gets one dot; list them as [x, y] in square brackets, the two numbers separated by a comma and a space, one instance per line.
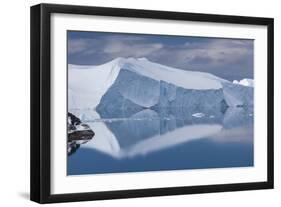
[250, 114]
[198, 115]
[212, 116]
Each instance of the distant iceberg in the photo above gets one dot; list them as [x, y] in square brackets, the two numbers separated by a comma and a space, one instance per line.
[245, 82]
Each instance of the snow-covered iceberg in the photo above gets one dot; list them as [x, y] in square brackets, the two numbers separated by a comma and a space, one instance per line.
[125, 86]
[245, 82]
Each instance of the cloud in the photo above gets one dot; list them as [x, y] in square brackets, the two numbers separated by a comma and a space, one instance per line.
[131, 49]
[204, 54]
[128, 46]
[224, 57]
[82, 45]
[215, 52]
[220, 52]
[76, 45]
[112, 47]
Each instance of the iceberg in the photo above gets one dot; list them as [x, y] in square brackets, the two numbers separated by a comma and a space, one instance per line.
[245, 82]
[136, 107]
[126, 86]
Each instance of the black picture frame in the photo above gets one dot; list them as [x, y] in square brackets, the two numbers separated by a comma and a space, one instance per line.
[41, 102]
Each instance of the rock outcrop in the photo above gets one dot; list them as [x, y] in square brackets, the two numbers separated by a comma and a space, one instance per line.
[78, 133]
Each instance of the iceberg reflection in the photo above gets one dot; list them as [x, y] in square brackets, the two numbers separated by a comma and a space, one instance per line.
[150, 130]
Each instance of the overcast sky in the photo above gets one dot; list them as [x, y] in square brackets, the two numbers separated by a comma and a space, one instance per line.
[227, 58]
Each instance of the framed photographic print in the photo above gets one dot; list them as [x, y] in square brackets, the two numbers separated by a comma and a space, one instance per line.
[132, 103]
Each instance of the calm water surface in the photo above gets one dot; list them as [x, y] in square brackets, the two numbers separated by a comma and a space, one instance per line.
[174, 140]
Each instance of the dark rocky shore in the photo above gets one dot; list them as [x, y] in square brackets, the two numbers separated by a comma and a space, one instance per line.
[78, 133]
